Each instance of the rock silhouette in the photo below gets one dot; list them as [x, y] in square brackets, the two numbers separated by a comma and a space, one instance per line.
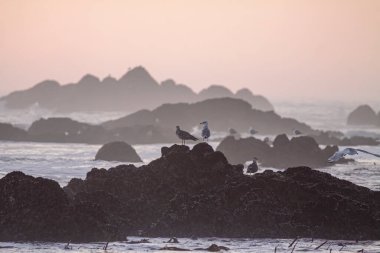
[9, 132]
[303, 150]
[363, 115]
[135, 90]
[331, 138]
[223, 113]
[187, 193]
[118, 151]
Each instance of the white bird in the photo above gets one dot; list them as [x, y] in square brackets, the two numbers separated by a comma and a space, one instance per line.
[205, 130]
[252, 131]
[347, 151]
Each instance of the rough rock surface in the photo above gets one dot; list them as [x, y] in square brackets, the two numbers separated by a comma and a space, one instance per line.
[188, 193]
[298, 151]
[38, 209]
[118, 151]
[363, 115]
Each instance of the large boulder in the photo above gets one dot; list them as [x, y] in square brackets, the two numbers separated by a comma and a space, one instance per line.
[198, 193]
[187, 192]
[363, 115]
[303, 150]
[37, 209]
[118, 151]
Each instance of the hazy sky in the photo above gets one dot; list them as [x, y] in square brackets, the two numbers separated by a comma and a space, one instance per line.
[281, 49]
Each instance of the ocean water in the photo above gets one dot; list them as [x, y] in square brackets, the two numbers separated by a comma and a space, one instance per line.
[235, 245]
[61, 162]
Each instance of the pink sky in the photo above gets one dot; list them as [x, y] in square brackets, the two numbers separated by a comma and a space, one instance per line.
[281, 49]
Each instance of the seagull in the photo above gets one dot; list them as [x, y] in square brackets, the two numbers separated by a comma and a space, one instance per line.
[183, 135]
[205, 131]
[297, 132]
[253, 167]
[347, 151]
[252, 131]
[232, 131]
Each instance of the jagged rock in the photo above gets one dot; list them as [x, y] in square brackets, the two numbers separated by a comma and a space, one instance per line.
[363, 115]
[189, 193]
[135, 90]
[303, 150]
[253, 168]
[197, 192]
[118, 151]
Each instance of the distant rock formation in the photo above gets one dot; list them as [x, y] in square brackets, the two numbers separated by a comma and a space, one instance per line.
[10, 133]
[187, 193]
[299, 151]
[221, 113]
[135, 90]
[118, 151]
[364, 115]
[66, 130]
[335, 138]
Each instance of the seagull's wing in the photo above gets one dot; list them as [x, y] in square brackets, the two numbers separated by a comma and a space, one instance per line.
[364, 151]
[205, 132]
[336, 157]
[188, 136]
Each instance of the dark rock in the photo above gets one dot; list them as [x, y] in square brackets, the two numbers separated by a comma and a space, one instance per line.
[224, 113]
[363, 115]
[10, 133]
[170, 248]
[173, 240]
[66, 130]
[253, 168]
[188, 193]
[216, 248]
[303, 150]
[337, 138]
[118, 151]
[38, 209]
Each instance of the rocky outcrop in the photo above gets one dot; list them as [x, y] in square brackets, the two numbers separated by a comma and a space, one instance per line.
[363, 115]
[135, 90]
[66, 130]
[303, 150]
[339, 139]
[221, 113]
[190, 193]
[118, 151]
[9, 132]
[37, 209]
